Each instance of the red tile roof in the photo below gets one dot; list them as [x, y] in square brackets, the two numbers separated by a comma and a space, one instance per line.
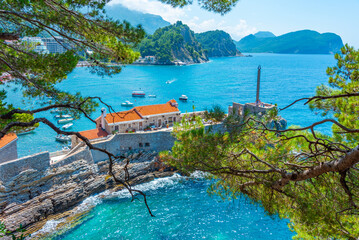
[123, 116]
[137, 113]
[7, 139]
[158, 108]
[94, 133]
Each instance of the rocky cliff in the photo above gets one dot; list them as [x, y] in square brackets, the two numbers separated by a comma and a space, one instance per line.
[218, 44]
[175, 44]
[32, 195]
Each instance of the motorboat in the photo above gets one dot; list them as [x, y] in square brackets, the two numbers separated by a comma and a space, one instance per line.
[26, 131]
[65, 120]
[62, 138]
[127, 103]
[138, 94]
[152, 96]
[67, 126]
[56, 110]
[63, 116]
[183, 97]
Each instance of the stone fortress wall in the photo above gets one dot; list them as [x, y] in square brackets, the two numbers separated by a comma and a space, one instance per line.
[116, 144]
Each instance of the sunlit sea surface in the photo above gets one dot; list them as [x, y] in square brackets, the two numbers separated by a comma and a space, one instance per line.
[285, 78]
[183, 209]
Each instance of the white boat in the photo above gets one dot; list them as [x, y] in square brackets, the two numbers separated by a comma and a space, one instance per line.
[138, 94]
[152, 96]
[56, 110]
[62, 138]
[127, 103]
[65, 120]
[26, 131]
[69, 125]
[183, 97]
[63, 116]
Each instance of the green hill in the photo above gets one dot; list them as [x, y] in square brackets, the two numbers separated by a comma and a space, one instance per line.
[149, 22]
[173, 44]
[264, 34]
[304, 42]
[217, 43]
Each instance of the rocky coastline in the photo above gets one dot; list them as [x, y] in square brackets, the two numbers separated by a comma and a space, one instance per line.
[31, 198]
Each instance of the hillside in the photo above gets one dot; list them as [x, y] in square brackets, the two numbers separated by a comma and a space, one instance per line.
[264, 34]
[149, 22]
[174, 44]
[217, 43]
[304, 42]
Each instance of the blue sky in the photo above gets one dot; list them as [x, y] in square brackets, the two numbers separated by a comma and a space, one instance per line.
[277, 16]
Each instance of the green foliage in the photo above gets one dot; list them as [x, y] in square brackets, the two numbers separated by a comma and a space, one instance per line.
[215, 113]
[284, 171]
[169, 44]
[301, 42]
[18, 235]
[222, 6]
[217, 43]
[82, 25]
[343, 79]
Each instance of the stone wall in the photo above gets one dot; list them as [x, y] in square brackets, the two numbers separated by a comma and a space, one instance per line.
[8, 152]
[39, 162]
[154, 141]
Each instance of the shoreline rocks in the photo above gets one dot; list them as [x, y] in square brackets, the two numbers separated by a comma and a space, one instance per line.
[32, 197]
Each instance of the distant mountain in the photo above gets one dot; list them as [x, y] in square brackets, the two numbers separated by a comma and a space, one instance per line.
[304, 42]
[264, 34]
[149, 22]
[174, 44]
[217, 43]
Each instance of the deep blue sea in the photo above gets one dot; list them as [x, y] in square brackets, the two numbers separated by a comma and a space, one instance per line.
[284, 79]
[183, 209]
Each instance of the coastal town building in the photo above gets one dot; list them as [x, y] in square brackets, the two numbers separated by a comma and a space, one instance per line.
[93, 134]
[257, 107]
[249, 108]
[140, 118]
[8, 147]
[55, 45]
[37, 44]
[146, 60]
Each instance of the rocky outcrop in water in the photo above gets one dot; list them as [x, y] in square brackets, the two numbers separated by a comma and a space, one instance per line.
[32, 196]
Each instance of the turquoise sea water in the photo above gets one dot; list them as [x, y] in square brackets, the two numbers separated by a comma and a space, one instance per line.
[183, 209]
[285, 78]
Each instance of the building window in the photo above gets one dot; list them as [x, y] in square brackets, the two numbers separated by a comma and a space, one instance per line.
[116, 128]
[140, 144]
[147, 144]
[129, 125]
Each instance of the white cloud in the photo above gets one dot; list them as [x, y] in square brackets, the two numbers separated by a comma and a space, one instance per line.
[237, 30]
[167, 12]
[201, 22]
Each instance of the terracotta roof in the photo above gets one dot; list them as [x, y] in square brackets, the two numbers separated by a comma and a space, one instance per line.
[7, 139]
[158, 108]
[94, 133]
[122, 116]
[137, 113]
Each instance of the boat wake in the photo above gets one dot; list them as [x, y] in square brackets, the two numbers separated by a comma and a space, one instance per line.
[171, 81]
